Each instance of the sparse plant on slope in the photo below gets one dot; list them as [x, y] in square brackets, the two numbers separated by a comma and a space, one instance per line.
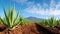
[44, 22]
[25, 21]
[10, 19]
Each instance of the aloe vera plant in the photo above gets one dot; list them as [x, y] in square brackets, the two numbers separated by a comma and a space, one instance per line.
[11, 19]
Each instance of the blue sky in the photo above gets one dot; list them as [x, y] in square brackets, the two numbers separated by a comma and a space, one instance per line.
[37, 8]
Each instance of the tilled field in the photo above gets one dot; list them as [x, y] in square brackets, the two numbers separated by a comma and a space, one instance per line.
[30, 29]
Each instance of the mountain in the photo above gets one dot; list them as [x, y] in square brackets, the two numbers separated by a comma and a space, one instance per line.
[34, 19]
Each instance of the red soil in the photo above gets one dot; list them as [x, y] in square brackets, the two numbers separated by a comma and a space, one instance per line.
[29, 29]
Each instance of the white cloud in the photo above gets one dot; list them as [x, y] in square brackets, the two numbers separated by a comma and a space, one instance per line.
[29, 3]
[21, 1]
[33, 9]
[55, 13]
[58, 5]
[37, 9]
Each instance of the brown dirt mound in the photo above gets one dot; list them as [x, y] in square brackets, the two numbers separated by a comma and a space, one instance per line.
[34, 29]
[2, 27]
[31, 29]
[58, 27]
[26, 29]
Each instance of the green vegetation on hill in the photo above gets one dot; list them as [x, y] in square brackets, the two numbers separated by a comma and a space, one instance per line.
[25, 21]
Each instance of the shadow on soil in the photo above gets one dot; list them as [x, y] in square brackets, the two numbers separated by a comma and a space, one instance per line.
[44, 30]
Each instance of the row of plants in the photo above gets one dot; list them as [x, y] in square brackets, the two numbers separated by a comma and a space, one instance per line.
[52, 22]
[12, 19]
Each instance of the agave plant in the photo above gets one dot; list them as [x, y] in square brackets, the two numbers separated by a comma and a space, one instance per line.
[52, 22]
[58, 22]
[44, 22]
[11, 19]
